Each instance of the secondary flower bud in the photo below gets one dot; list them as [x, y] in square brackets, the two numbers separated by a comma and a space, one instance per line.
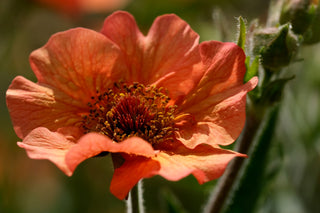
[297, 12]
[312, 35]
[304, 17]
[275, 46]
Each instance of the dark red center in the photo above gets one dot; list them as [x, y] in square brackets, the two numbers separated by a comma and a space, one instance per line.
[135, 110]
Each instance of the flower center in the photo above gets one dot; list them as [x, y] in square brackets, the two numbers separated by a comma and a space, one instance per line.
[125, 111]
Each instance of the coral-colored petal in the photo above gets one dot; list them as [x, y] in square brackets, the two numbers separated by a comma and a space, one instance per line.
[224, 64]
[129, 174]
[218, 101]
[93, 144]
[121, 28]
[171, 54]
[224, 68]
[164, 57]
[32, 105]
[70, 68]
[44, 144]
[78, 62]
[204, 162]
[220, 118]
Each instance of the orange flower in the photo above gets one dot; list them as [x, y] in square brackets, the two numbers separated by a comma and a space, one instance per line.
[78, 6]
[161, 104]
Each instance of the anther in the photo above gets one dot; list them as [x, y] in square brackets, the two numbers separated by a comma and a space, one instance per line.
[135, 110]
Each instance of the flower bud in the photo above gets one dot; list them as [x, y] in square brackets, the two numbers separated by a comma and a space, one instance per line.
[312, 35]
[304, 16]
[275, 46]
[297, 13]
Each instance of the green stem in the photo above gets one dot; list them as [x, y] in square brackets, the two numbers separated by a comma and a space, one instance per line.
[222, 191]
[135, 199]
[253, 178]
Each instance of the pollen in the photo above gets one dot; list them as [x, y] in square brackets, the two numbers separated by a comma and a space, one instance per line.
[125, 111]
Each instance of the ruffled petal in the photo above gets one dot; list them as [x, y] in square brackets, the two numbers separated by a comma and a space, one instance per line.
[32, 105]
[121, 28]
[204, 162]
[78, 62]
[224, 69]
[93, 144]
[129, 174]
[41, 143]
[68, 147]
[164, 57]
[219, 119]
[217, 103]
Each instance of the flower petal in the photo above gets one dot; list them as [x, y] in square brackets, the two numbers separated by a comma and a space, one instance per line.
[32, 105]
[218, 101]
[78, 62]
[224, 68]
[68, 147]
[92, 144]
[164, 57]
[129, 174]
[121, 28]
[219, 119]
[41, 143]
[204, 162]
[70, 68]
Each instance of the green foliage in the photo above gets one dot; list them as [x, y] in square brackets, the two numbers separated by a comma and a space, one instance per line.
[312, 35]
[272, 93]
[297, 13]
[252, 69]
[304, 17]
[242, 33]
[252, 183]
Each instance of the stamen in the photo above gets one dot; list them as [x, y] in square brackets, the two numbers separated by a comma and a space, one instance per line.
[135, 110]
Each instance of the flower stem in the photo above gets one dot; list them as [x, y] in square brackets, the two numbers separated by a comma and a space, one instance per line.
[135, 200]
[254, 172]
[220, 195]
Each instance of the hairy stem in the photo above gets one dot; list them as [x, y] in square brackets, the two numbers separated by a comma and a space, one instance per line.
[135, 199]
[225, 185]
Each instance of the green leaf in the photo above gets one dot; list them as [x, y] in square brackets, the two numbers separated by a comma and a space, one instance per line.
[242, 33]
[252, 181]
[252, 69]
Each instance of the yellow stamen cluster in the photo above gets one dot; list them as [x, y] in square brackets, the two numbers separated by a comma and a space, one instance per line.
[135, 110]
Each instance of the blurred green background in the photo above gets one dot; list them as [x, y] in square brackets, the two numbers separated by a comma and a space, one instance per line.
[292, 179]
